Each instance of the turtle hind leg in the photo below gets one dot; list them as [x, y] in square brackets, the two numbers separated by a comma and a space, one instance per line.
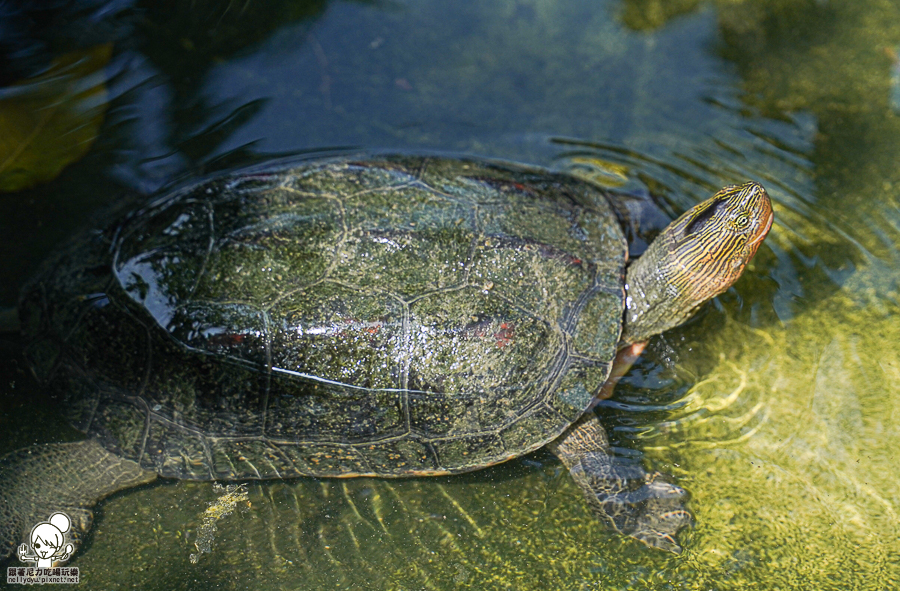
[38, 481]
[634, 502]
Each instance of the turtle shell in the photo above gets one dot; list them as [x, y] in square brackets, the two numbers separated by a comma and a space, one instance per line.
[393, 316]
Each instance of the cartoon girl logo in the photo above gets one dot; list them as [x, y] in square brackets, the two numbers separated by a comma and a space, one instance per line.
[48, 542]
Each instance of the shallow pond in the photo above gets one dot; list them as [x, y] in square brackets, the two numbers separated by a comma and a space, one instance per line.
[778, 407]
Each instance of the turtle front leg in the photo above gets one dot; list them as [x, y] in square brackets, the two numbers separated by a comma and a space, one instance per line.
[634, 502]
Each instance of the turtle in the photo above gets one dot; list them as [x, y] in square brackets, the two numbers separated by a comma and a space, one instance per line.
[376, 315]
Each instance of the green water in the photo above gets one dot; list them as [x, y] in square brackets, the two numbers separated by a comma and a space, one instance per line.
[778, 408]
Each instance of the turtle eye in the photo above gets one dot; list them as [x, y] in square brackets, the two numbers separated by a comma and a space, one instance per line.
[742, 221]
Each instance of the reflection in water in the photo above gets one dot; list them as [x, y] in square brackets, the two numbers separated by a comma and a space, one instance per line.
[778, 407]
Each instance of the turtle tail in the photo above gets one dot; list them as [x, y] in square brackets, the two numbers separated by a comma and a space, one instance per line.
[37, 482]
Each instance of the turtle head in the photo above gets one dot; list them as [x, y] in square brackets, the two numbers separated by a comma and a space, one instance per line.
[695, 258]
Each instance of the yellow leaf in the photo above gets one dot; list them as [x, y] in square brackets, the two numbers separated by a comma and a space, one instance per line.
[49, 121]
[598, 171]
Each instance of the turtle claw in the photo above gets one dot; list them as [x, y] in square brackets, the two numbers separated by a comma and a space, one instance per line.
[660, 526]
[658, 540]
[634, 502]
